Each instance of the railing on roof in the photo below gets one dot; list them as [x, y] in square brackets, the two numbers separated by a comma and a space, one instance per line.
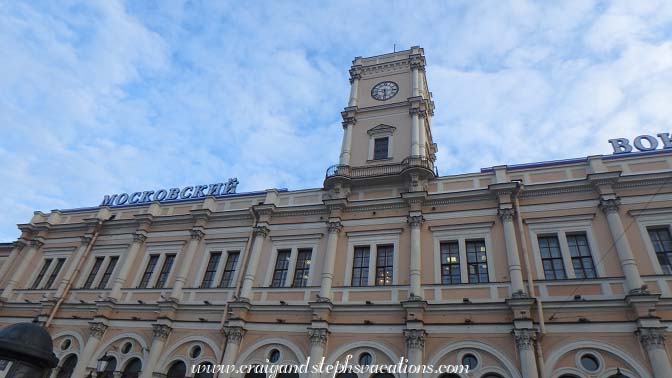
[382, 169]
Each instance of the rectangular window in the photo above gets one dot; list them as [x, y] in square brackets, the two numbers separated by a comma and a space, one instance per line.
[165, 271]
[94, 272]
[281, 268]
[211, 269]
[151, 265]
[108, 272]
[662, 244]
[229, 269]
[360, 267]
[384, 264]
[380, 148]
[450, 263]
[302, 268]
[43, 271]
[477, 261]
[582, 260]
[54, 273]
[551, 258]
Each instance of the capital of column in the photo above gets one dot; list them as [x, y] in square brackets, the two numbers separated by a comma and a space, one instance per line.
[652, 338]
[261, 231]
[415, 338]
[318, 336]
[97, 329]
[161, 331]
[609, 205]
[348, 121]
[197, 234]
[20, 243]
[525, 338]
[139, 238]
[506, 214]
[415, 220]
[36, 243]
[334, 226]
[85, 240]
[234, 334]
[417, 62]
[355, 73]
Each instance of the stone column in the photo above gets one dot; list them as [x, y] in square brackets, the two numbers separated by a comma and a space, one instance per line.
[415, 132]
[348, 124]
[251, 271]
[318, 341]
[234, 336]
[97, 330]
[355, 76]
[20, 272]
[525, 339]
[512, 257]
[653, 340]
[16, 250]
[161, 333]
[196, 237]
[633, 281]
[334, 226]
[415, 346]
[415, 221]
[422, 137]
[68, 276]
[129, 260]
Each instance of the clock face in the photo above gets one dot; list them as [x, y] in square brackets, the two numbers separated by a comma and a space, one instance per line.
[384, 90]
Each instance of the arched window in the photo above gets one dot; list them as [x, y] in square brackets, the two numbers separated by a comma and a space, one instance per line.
[177, 370]
[109, 368]
[67, 367]
[206, 366]
[133, 369]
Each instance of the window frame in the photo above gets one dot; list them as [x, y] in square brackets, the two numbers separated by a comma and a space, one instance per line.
[293, 243]
[225, 246]
[364, 268]
[210, 256]
[563, 226]
[381, 131]
[309, 261]
[372, 239]
[451, 264]
[162, 271]
[106, 263]
[161, 249]
[107, 253]
[552, 259]
[461, 233]
[54, 255]
[234, 270]
[387, 147]
[652, 218]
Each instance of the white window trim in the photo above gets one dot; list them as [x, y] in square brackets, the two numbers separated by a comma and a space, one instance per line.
[225, 247]
[293, 243]
[162, 250]
[372, 239]
[54, 255]
[374, 134]
[560, 227]
[650, 218]
[461, 233]
[106, 253]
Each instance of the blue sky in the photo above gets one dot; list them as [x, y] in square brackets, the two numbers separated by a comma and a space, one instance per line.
[107, 97]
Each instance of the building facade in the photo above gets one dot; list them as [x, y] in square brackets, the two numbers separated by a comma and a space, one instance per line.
[555, 270]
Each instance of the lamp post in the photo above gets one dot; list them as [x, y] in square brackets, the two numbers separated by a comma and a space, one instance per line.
[619, 374]
[102, 364]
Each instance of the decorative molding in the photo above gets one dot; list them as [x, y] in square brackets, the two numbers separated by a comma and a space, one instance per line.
[609, 205]
[234, 334]
[464, 226]
[506, 215]
[161, 331]
[261, 231]
[334, 226]
[97, 329]
[36, 243]
[560, 219]
[415, 338]
[415, 220]
[318, 336]
[652, 338]
[85, 240]
[525, 338]
[197, 234]
[381, 129]
[19, 244]
[139, 238]
[385, 67]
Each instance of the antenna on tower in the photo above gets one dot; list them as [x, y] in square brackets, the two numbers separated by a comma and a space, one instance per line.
[395, 48]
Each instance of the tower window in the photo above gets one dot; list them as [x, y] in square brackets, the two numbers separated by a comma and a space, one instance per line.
[360, 267]
[662, 244]
[384, 265]
[380, 148]
[281, 268]
[551, 258]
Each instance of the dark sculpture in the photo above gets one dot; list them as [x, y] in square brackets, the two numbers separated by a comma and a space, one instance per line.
[28, 348]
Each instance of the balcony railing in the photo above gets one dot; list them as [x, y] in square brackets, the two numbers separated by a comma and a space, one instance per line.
[381, 169]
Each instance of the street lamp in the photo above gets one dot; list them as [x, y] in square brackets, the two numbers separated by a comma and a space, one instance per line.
[102, 363]
[619, 374]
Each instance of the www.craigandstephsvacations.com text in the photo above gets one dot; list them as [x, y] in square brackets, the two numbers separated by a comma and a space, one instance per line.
[328, 370]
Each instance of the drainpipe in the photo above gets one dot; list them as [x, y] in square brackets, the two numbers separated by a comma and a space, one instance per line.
[80, 263]
[239, 280]
[530, 283]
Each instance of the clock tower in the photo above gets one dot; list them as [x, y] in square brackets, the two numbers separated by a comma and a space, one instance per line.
[387, 123]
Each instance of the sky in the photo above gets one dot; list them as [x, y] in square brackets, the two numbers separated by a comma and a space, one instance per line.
[102, 97]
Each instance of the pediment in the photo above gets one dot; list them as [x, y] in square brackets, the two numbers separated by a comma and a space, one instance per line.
[381, 129]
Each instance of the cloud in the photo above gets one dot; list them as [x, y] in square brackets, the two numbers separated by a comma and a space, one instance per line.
[98, 98]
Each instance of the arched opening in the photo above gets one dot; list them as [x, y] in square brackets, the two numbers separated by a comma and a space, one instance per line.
[67, 367]
[109, 368]
[133, 369]
[204, 368]
[177, 370]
